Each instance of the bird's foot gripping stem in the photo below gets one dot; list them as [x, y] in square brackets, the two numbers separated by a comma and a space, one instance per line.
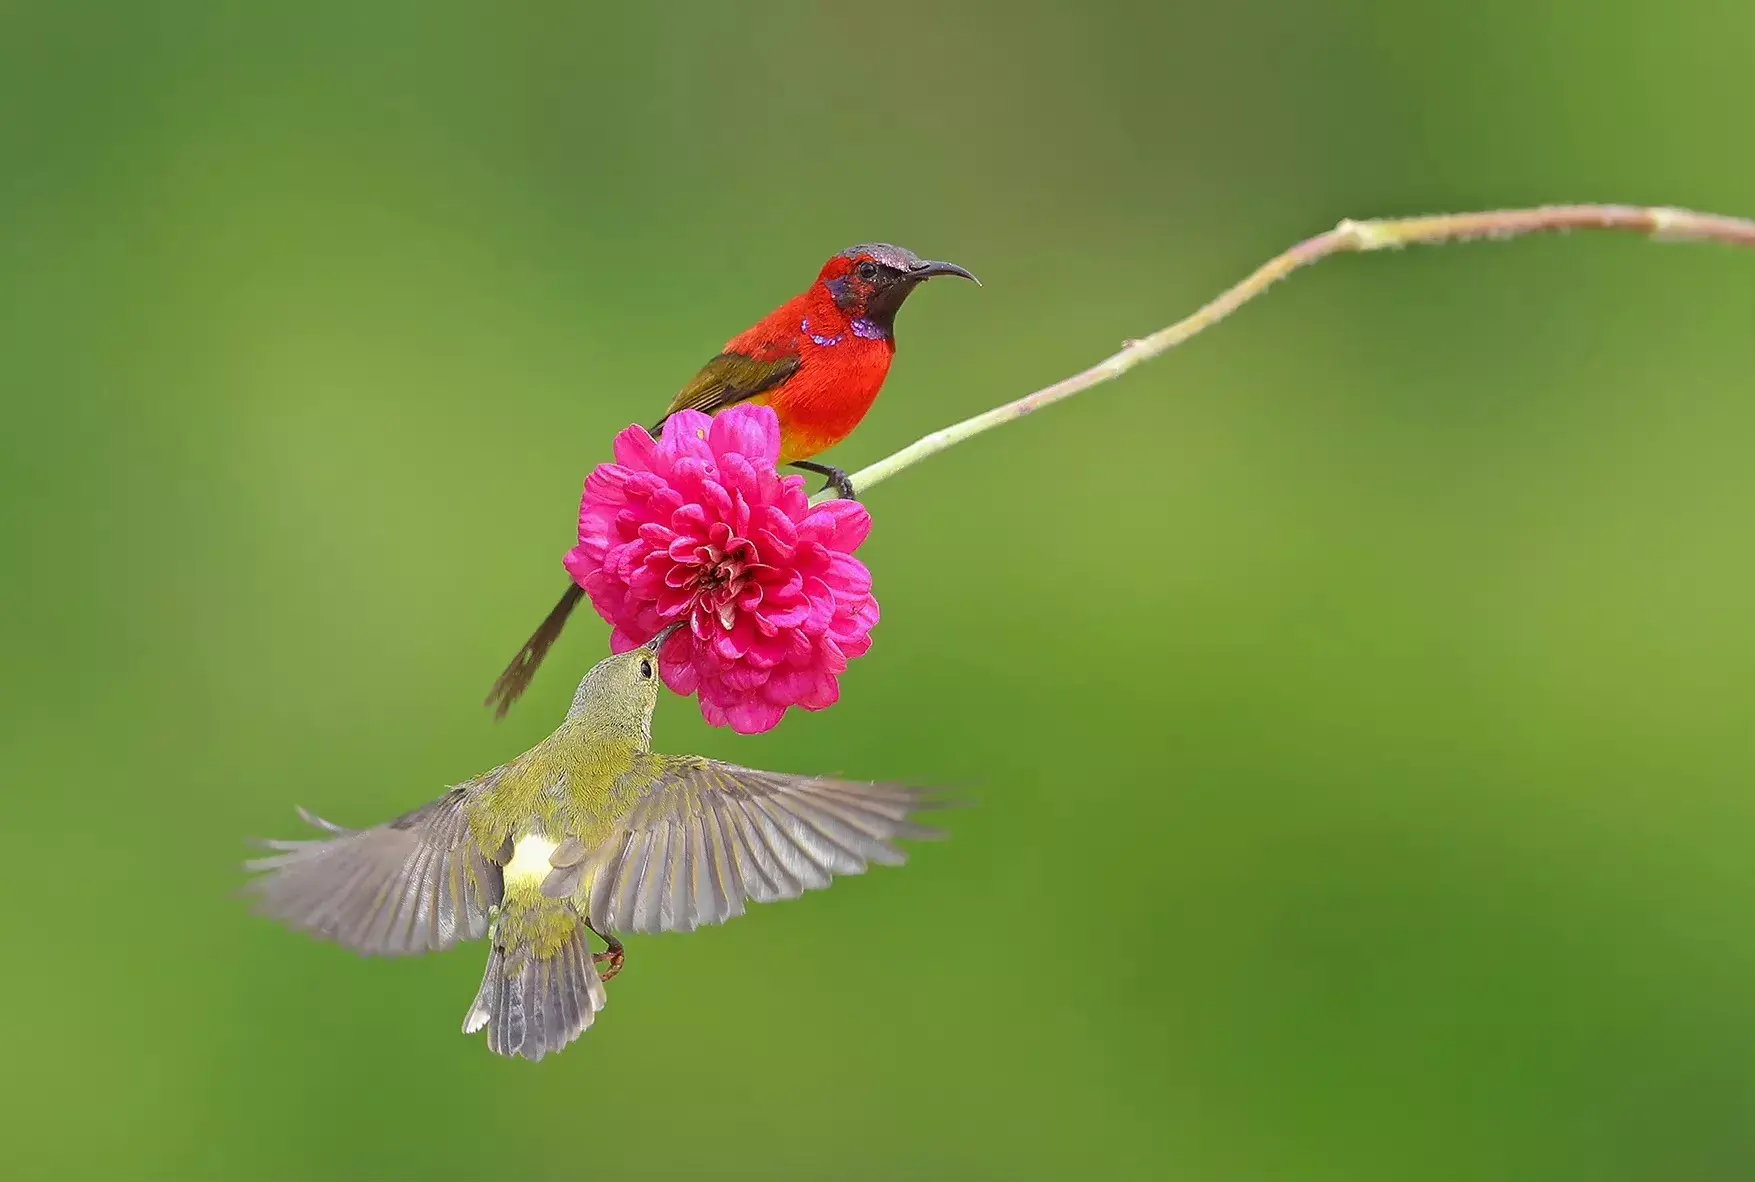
[612, 957]
[838, 480]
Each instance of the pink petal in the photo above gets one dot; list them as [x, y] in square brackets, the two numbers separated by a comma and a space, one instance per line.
[822, 606]
[655, 535]
[715, 501]
[847, 575]
[752, 716]
[736, 474]
[634, 448]
[787, 616]
[840, 525]
[749, 431]
[793, 500]
[680, 676]
[684, 434]
[648, 582]
[579, 564]
[608, 483]
[824, 693]
[742, 680]
[766, 651]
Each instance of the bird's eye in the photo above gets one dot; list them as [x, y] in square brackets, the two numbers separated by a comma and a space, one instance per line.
[646, 668]
[867, 270]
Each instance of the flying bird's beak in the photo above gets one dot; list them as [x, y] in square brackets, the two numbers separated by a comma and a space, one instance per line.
[664, 634]
[927, 268]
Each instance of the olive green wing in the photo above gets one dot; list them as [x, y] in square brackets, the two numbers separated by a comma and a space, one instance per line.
[731, 378]
[704, 838]
[417, 884]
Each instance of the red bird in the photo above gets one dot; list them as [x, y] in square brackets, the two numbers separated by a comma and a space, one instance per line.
[818, 361]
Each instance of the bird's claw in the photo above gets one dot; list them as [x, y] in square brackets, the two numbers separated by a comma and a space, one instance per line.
[613, 955]
[614, 959]
[836, 478]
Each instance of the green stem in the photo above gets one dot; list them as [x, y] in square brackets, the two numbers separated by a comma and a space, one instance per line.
[1350, 237]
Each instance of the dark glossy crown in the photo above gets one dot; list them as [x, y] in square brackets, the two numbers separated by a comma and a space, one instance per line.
[882, 253]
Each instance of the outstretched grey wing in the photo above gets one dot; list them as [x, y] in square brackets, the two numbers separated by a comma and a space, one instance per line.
[707, 837]
[418, 884]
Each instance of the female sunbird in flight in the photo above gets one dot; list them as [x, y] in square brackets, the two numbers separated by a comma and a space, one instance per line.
[589, 831]
[818, 360]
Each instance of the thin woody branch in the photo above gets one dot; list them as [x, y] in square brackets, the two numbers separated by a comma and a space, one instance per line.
[1350, 237]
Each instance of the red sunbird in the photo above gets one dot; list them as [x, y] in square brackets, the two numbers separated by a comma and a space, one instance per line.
[818, 361]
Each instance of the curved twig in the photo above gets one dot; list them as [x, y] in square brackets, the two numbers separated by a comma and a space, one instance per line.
[1350, 237]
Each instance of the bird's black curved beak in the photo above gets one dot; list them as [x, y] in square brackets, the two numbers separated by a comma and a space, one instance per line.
[664, 634]
[928, 268]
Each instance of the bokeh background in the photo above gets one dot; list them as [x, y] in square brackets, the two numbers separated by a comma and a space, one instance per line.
[1358, 700]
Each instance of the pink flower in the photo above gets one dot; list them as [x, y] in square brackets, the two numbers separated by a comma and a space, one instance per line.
[699, 525]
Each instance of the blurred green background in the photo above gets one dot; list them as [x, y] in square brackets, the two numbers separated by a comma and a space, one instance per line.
[1358, 699]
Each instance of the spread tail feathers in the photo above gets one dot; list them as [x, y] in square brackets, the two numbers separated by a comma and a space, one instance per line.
[532, 1006]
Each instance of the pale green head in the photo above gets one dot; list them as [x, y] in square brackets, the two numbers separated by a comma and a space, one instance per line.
[616, 699]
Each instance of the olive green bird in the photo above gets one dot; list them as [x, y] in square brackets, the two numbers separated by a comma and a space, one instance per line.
[589, 831]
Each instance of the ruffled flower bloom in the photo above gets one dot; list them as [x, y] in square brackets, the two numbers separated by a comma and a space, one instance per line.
[700, 526]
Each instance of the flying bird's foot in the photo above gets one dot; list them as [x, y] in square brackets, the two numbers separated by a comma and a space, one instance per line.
[613, 960]
[838, 480]
[613, 956]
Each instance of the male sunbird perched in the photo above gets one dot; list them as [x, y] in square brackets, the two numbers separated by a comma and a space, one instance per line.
[588, 831]
[818, 360]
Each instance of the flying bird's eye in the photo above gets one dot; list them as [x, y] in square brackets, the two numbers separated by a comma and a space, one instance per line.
[867, 270]
[646, 668]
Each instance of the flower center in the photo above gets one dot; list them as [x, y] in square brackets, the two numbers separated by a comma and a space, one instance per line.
[723, 568]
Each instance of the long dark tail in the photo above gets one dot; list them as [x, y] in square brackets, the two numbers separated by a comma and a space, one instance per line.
[516, 679]
[530, 1006]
